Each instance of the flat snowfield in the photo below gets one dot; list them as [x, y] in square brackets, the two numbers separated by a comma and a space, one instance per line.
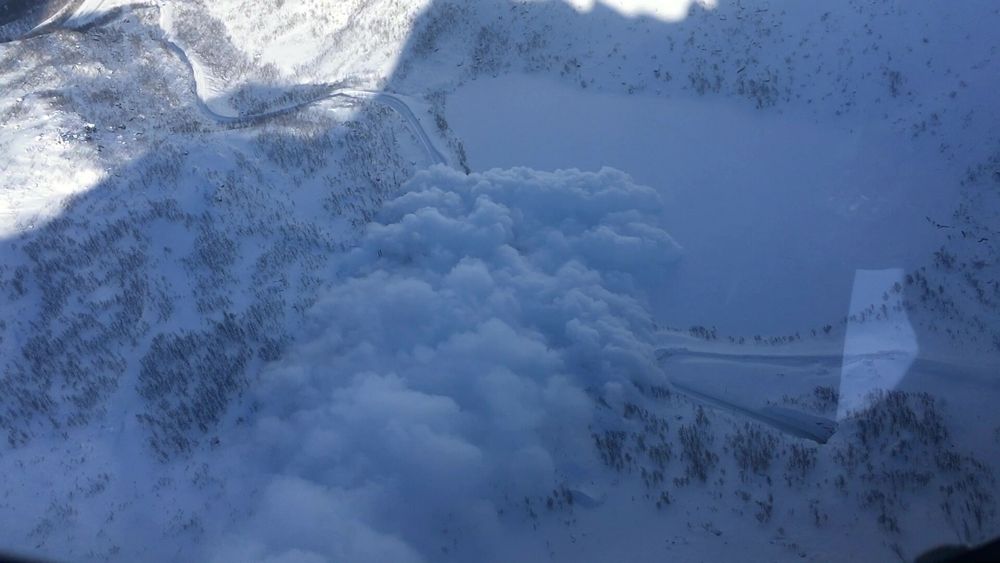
[775, 210]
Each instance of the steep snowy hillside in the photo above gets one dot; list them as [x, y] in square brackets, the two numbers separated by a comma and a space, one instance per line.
[443, 280]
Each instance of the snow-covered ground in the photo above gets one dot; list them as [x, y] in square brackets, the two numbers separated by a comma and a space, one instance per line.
[414, 280]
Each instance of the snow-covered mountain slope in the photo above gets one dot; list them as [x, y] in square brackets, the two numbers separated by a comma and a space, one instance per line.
[264, 297]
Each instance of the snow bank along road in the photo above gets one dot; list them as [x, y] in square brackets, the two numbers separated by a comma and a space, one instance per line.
[80, 14]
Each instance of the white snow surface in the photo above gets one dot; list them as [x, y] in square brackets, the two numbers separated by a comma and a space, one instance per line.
[500, 280]
[46, 167]
[88, 11]
[668, 10]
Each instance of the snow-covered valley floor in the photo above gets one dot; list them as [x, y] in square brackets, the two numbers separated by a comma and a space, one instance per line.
[775, 210]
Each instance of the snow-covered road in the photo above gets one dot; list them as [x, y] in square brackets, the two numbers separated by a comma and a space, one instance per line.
[77, 14]
[758, 385]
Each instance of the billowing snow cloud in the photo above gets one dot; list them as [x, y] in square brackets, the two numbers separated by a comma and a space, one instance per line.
[446, 374]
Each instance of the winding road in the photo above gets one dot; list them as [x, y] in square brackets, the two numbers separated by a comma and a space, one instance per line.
[82, 14]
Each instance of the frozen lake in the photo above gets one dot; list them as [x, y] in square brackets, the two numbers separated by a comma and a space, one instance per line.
[776, 211]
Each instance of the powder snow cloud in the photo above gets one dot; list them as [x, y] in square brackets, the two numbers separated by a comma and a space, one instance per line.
[448, 368]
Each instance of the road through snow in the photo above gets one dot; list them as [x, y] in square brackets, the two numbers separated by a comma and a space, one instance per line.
[751, 384]
[80, 14]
